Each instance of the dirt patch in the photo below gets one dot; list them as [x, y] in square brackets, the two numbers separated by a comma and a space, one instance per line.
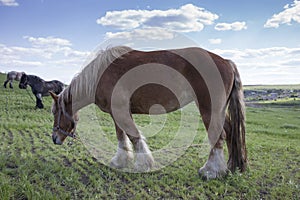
[67, 162]
[11, 138]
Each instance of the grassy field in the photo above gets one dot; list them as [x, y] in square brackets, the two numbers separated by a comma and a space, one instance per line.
[32, 167]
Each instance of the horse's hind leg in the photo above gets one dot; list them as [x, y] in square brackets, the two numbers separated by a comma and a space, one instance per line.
[215, 166]
[5, 83]
[124, 155]
[10, 84]
[144, 160]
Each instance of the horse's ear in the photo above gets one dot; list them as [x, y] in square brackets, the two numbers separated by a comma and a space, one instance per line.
[53, 95]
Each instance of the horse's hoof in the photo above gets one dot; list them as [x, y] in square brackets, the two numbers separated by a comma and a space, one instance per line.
[144, 162]
[208, 174]
[122, 160]
[115, 165]
[40, 106]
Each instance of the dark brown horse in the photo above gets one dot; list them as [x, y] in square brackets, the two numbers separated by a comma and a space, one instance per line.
[127, 81]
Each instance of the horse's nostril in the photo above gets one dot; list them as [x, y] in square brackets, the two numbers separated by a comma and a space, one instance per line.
[54, 138]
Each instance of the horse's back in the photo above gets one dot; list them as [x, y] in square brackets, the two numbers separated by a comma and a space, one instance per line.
[58, 86]
[170, 78]
[12, 75]
[40, 86]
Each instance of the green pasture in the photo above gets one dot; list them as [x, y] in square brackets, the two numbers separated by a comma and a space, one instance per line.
[32, 167]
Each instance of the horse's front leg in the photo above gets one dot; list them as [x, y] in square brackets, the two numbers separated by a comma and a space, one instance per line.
[144, 159]
[124, 155]
[39, 103]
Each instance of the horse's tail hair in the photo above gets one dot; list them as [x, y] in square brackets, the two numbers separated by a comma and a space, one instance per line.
[235, 125]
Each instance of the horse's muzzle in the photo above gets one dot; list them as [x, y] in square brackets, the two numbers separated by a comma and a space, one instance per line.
[22, 86]
[56, 139]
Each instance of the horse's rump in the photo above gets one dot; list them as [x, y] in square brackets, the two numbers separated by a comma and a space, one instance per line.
[54, 86]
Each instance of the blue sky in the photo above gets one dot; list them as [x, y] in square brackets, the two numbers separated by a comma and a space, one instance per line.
[54, 38]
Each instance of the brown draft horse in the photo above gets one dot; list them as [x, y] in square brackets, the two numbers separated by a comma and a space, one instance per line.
[122, 81]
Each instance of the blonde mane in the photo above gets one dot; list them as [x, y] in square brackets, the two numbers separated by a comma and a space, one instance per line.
[83, 85]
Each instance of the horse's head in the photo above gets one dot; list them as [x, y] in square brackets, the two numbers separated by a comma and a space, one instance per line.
[23, 82]
[64, 121]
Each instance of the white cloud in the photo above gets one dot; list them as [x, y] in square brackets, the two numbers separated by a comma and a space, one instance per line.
[47, 46]
[142, 34]
[20, 63]
[260, 54]
[289, 14]
[187, 18]
[215, 41]
[274, 65]
[48, 57]
[48, 41]
[8, 3]
[292, 62]
[257, 66]
[235, 26]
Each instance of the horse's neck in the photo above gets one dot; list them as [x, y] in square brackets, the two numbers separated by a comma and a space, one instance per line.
[31, 80]
[78, 98]
[34, 79]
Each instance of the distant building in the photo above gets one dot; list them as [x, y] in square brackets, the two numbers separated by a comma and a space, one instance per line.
[273, 96]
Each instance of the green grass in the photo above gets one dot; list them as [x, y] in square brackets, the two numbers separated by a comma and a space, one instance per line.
[285, 102]
[32, 167]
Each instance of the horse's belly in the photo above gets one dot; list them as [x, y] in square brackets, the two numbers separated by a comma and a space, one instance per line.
[157, 99]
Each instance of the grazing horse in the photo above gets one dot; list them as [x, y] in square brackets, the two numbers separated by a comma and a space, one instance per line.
[13, 75]
[122, 81]
[40, 88]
